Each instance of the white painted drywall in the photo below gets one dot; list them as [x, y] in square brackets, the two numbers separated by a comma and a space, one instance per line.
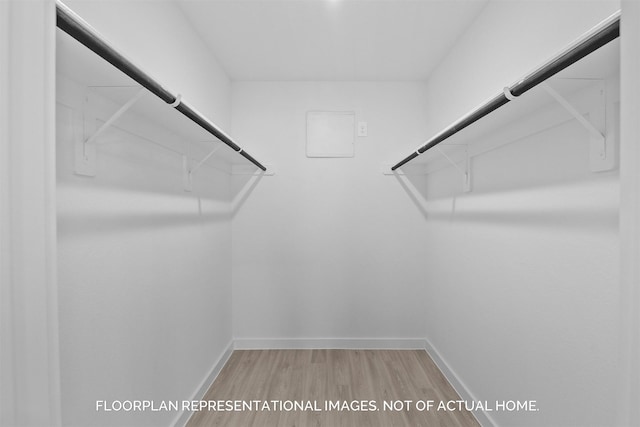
[144, 268]
[327, 248]
[523, 273]
[330, 40]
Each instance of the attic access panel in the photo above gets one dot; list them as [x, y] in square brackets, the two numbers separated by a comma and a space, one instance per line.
[330, 133]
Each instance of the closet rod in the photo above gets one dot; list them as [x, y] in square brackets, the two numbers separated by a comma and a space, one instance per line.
[69, 22]
[602, 34]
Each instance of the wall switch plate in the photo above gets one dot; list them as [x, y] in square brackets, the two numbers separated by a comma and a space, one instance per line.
[362, 128]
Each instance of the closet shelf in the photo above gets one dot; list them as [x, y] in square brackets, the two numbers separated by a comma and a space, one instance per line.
[84, 62]
[573, 71]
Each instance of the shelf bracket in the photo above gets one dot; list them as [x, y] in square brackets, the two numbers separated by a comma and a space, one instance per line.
[115, 116]
[597, 138]
[465, 172]
[187, 177]
[85, 150]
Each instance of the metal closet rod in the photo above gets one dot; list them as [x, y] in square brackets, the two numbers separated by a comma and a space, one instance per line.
[69, 22]
[605, 32]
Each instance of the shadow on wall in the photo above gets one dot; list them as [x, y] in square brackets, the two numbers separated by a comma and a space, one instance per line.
[543, 179]
[103, 208]
[591, 203]
[138, 185]
[108, 223]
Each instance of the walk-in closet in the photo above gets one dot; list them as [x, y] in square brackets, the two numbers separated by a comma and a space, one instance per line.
[320, 213]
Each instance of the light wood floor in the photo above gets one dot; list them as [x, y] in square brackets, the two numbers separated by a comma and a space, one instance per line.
[317, 376]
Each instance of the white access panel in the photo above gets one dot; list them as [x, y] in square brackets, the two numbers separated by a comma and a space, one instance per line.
[330, 133]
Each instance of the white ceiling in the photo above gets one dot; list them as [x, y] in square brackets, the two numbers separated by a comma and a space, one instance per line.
[330, 39]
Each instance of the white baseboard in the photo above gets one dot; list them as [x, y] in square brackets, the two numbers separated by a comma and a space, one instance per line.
[324, 343]
[483, 418]
[183, 416]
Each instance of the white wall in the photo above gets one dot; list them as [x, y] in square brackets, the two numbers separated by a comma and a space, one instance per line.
[327, 248]
[523, 284]
[144, 268]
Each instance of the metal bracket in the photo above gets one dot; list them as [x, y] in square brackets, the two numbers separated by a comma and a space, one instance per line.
[187, 176]
[115, 116]
[385, 169]
[250, 170]
[598, 143]
[85, 150]
[466, 172]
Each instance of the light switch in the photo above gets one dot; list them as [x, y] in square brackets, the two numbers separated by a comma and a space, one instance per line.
[362, 128]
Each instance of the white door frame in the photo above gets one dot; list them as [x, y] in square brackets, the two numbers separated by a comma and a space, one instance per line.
[29, 356]
[629, 413]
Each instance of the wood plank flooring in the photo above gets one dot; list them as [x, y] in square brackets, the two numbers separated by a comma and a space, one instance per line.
[315, 378]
